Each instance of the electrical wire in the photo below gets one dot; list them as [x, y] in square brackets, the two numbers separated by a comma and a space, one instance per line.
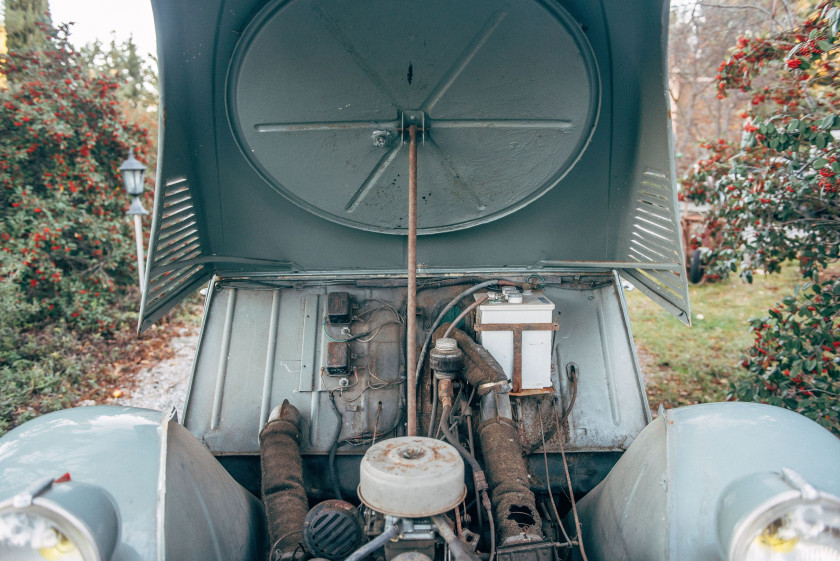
[478, 475]
[375, 331]
[571, 373]
[444, 311]
[464, 313]
[571, 491]
[376, 423]
[385, 306]
[548, 481]
[334, 448]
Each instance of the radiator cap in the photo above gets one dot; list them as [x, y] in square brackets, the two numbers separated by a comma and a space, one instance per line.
[412, 477]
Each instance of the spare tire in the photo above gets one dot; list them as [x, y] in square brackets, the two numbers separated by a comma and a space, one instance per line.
[696, 269]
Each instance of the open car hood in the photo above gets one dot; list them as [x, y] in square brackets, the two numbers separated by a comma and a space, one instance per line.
[546, 142]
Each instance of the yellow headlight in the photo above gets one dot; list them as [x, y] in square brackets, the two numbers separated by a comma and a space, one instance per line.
[70, 521]
[778, 517]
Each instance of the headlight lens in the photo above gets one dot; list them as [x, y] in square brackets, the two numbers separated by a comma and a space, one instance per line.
[806, 531]
[64, 522]
[778, 517]
[26, 535]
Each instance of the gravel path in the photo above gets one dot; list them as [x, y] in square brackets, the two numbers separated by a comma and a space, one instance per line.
[165, 384]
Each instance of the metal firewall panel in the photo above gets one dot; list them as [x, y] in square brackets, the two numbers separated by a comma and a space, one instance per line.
[262, 345]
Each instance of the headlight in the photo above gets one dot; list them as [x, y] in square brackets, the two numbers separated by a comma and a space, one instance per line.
[64, 522]
[778, 517]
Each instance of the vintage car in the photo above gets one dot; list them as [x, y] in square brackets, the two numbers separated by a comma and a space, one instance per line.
[413, 220]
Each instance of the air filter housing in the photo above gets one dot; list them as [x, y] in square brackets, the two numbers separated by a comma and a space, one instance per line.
[412, 477]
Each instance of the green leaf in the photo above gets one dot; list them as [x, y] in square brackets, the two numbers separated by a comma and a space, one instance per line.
[821, 141]
[819, 163]
[827, 122]
[793, 126]
[824, 45]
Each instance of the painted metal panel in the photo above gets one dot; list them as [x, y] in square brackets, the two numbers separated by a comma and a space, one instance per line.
[659, 501]
[484, 94]
[117, 448]
[174, 242]
[249, 361]
[174, 500]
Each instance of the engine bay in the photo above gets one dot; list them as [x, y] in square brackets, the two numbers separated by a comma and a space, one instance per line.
[510, 402]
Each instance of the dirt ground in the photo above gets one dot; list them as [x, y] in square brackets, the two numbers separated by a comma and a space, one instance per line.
[160, 382]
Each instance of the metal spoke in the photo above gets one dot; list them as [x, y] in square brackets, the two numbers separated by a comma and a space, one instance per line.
[373, 178]
[333, 26]
[466, 57]
[559, 124]
[324, 126]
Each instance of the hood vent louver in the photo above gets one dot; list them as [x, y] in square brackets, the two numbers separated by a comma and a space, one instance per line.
[655, 238]
[174, 265]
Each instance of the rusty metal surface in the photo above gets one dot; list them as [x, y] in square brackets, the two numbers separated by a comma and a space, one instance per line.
[339, 307]
[411, 299]
[338, 358]
[412, 476]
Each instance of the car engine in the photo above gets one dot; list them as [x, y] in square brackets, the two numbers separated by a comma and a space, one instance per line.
[462, 489]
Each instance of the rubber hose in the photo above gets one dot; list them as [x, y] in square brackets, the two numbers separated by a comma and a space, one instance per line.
[443, 313]
[374, 544]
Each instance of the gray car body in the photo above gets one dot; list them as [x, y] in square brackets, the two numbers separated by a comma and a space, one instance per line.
[280, 178]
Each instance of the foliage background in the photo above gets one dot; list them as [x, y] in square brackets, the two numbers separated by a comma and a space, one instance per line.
[67, 267]
[773, 198]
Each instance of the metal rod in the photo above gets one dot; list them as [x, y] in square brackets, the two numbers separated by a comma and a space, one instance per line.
[138, 236]
[411, 306]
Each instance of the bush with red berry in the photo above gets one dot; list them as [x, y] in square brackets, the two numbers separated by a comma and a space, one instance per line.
[774, 198]
[67, 263]
[66, 250]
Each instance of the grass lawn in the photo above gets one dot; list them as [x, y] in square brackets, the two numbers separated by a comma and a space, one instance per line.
[684, 366]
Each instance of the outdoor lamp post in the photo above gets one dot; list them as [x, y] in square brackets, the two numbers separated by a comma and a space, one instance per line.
[134, 175]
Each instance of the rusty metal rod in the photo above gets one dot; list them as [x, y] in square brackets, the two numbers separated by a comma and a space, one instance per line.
[411, 306]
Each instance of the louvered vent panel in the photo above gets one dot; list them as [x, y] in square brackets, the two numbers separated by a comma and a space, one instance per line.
[655, 243]
[174, 256]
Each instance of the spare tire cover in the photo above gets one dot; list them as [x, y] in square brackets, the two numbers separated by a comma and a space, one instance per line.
[320, 93]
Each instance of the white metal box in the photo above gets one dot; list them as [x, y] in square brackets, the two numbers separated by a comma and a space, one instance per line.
[501, 321]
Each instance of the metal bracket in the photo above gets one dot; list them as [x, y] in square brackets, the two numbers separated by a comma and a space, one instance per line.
[408, 118]
[517, 329]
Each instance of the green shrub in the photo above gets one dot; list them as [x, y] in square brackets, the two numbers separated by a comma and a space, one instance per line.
[795, 360]
[776, 198]
[67, 263]
[66, 246]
